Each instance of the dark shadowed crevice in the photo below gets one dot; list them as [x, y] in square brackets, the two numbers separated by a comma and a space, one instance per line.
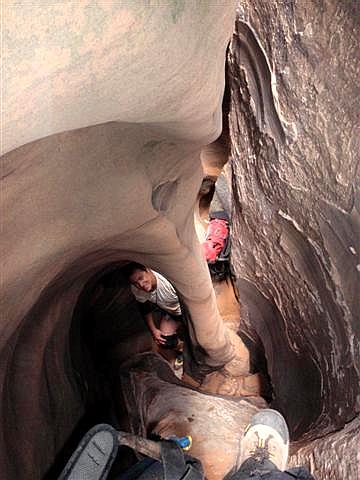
[106, 328]
[297, 394]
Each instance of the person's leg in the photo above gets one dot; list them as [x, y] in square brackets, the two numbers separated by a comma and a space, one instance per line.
[168, 325]
[171, 324]
[252, 469]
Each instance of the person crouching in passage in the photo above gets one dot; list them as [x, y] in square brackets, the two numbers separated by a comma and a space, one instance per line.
[157, 297]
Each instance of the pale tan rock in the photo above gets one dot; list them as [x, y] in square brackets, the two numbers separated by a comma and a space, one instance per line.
[106, 109]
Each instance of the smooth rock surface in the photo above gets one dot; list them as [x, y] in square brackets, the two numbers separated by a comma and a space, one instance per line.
[106, 109]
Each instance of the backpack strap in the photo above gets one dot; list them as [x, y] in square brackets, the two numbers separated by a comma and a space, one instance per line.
[178, 466]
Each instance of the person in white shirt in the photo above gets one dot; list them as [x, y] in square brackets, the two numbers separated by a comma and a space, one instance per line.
[153, 291]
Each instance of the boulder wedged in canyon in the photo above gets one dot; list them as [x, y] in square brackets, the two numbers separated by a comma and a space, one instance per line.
[215, 423]
[293, 69]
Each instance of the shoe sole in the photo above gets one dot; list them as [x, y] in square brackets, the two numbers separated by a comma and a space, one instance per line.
[272, 419]
[94, 455]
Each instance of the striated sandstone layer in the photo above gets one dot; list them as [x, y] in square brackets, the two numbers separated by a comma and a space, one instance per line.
[333, 457]
[293, 70]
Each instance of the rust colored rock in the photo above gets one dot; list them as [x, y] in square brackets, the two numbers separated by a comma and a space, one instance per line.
[158, 402]
[107, 109]
[233, 385]
[293, 69]
[334, 456]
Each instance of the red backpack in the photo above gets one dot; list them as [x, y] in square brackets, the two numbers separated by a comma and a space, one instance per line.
[216, 239]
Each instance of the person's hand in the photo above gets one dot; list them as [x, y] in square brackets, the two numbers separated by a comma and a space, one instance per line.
[158, 338]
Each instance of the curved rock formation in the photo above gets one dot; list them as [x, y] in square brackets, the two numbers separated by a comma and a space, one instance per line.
[294, 173]
[107, 108]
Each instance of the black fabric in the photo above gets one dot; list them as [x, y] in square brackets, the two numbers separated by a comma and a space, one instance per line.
[135, 472]
[252, 469]
[145, 307]
[153, 472]
[221, 214]
[171, 341]
[177, 466]
[177, 318]
[174, 466]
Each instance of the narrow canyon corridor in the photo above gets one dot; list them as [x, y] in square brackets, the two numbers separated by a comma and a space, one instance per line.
[124, 124]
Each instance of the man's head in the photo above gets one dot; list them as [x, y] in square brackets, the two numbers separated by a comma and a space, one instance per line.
[140, 276]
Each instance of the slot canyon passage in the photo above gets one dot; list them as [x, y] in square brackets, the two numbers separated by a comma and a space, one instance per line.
[108, 108]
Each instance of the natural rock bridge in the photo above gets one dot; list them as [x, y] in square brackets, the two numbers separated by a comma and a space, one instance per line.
[108, 107]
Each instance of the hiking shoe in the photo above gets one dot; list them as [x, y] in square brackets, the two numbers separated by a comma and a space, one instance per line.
[266, 438]
[179, 361]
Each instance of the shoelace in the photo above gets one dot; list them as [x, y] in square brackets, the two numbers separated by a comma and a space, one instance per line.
[261, 451]
[260, 454]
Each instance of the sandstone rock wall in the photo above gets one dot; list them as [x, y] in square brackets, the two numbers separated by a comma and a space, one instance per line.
[293, 69]
[107, 106]
[335, 456]
[117, 102]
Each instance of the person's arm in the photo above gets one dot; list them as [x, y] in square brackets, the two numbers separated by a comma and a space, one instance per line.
[146, 310]
[155, 332]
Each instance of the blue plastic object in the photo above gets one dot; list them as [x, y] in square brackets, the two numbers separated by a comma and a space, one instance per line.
[183, 442]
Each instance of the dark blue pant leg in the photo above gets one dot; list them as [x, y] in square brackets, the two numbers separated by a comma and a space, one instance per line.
[252, 469]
